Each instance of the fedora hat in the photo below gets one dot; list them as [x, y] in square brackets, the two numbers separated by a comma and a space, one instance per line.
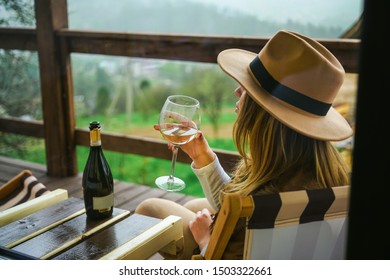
[296, 80]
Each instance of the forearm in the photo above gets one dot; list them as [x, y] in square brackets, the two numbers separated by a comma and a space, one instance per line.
[203, 159]
[212, 177]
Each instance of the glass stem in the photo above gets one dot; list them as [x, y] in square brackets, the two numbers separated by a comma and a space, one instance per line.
[174, 157]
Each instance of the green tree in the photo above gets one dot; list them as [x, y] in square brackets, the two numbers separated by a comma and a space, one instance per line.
[19, 78]
[103, 100]
[19, 82]
[151, 97]
[212, 88]
[17, 12]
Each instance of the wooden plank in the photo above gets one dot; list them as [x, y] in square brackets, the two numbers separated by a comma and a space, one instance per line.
[18, 38]
[65, 235]
[124, 191]
[163, 236]
[18, 126]
[198, 48]
[9, 254]
[31, 206]
[32, 225]
[107, 240]
[71, 183]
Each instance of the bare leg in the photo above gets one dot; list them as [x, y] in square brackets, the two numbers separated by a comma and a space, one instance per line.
[198, 204]
[162, 208]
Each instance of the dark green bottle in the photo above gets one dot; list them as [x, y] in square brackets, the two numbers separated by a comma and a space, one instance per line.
[98, 184]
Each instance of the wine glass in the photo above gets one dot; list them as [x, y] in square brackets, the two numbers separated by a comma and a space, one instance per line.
[179, 123]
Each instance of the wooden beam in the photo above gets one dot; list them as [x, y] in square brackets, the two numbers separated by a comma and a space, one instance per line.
[164, 46]
[187, 47]
[57, 98]
[18, 126]
[18, 38]
[149, 147]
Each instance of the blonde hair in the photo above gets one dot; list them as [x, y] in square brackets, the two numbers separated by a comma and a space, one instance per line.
[276, 158]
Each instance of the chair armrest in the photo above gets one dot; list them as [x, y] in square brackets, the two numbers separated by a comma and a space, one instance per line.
[12, 184]
[226, 221]
[31, 206]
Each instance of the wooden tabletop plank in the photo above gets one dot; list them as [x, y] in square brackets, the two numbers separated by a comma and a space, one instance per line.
[31, 206]
[166, 236]
[16, 232]
[109, 239]
[67, 234]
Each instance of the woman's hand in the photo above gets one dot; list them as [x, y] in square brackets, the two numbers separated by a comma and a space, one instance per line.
[200, 227]
[197, 149]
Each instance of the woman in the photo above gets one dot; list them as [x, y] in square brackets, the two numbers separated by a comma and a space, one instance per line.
[284, 132]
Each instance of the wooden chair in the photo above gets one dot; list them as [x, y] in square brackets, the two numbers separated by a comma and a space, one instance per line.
[301, 225]
[23, 195]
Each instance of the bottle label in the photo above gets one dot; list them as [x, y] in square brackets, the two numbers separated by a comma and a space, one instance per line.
[103, 203]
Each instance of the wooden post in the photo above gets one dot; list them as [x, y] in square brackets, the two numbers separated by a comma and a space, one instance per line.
[56, 88]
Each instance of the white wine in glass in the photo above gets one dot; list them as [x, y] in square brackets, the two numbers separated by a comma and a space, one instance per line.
[179, 123]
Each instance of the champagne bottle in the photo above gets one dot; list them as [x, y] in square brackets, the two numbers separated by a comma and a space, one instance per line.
[97, 182]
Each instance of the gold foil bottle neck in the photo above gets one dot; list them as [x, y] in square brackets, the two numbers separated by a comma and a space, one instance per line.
[94, 136]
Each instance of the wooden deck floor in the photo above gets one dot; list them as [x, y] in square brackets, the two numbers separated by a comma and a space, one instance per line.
[127, 195]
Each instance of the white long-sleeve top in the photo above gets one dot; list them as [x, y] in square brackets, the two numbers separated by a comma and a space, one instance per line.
[212, 178]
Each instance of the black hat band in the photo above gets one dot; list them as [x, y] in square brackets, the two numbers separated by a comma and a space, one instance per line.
[285, 93]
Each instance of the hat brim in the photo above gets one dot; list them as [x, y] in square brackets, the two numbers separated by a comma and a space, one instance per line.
[332, 127]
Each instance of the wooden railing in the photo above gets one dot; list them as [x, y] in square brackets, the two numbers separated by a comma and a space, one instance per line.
[54, 43]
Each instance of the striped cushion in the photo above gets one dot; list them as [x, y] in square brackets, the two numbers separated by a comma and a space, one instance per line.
[29, 188]
[298, 207]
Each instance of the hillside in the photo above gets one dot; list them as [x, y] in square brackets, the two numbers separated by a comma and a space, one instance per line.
[318, 18]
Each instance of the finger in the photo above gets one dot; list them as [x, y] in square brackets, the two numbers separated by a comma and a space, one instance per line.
[156, 127]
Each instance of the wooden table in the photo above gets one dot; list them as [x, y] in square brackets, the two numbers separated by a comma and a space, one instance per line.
[59, 229]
